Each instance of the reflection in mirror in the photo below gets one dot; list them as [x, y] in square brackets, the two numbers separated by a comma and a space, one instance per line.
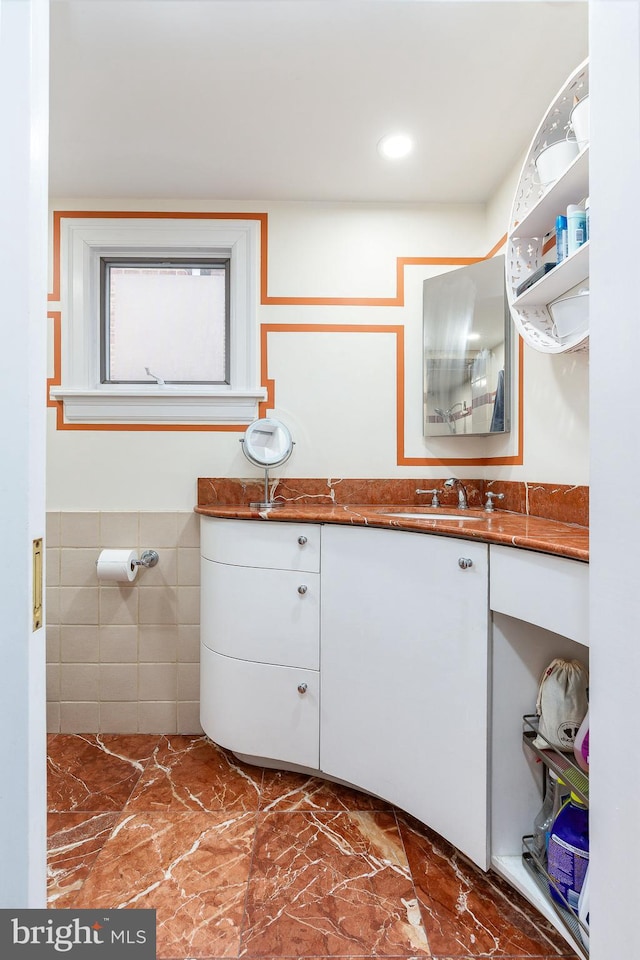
[467, 352]
[267, 443]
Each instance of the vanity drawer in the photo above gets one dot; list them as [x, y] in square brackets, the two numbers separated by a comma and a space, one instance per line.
[259, 543]
[271, 616]
[551, 592]
[261, 710]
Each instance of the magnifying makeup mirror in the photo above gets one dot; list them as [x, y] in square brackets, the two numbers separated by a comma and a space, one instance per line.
[267, 443]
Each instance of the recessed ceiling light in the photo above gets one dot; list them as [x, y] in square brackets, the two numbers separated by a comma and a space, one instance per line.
[395, 145]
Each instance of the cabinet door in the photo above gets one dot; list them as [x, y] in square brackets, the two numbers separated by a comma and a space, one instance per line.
[404, 675]
[259, 709]
[259, 614]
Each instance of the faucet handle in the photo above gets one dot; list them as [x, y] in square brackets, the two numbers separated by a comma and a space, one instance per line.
[491, 496]
[435, 502]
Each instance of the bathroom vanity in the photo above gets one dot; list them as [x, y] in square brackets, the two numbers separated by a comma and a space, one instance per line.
[395, 655]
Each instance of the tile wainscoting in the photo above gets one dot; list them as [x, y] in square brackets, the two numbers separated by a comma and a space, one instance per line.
[123, 658]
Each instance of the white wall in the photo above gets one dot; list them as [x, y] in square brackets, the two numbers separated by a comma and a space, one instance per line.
[615, 529]
[336, 391]
[23, 205]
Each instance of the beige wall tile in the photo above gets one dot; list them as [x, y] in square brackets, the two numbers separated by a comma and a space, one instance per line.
[118, 681]
[79, 681]
[189, 642]
[53, 644]
[52, 605]
[79, 644]
[157, 717]
[165, 572]
[189, 605]
[189, 567]
[157, 681]
[158, 605]
[119, 717]
[119, 530]
[53, 681]
[188, 681]
[79, 717]
[53, 717]
[118, 643]
[158, 643]
[52, 536]
[78, 567]
[188, 530]
[118, 605]
[189, 717]
[78, 604]
[79, 529]
[158, 530]
[52, 556]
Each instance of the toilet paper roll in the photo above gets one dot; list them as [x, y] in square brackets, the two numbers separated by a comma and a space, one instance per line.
[117, 566]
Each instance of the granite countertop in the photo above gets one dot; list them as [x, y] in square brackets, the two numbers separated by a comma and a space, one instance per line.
[512, 529]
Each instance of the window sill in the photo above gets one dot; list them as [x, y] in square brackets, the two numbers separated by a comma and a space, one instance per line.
[158, 404]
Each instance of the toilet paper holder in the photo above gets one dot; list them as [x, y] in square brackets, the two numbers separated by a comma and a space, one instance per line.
[148, 558]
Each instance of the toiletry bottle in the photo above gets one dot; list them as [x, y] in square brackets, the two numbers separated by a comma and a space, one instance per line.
[576, 227]
[568, 852]
[561, 238]
[555, 795]
[587, 232]
[581, 744]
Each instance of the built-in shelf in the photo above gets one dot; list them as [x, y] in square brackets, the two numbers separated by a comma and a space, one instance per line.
[567, 917]
[569, 188]
[533, 216]
[562, 764]
[567, 274]
[516, 871]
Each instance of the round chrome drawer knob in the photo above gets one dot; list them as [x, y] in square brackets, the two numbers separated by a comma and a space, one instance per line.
[464, 563]
[302, 688]
[302, 589]
[302, 541]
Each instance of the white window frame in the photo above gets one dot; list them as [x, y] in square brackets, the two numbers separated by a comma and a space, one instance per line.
[86, 400]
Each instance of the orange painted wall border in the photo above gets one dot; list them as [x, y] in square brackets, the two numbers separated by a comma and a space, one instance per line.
[398, 330]
[266, 300]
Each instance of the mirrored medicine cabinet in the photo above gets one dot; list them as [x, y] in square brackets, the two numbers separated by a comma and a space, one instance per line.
[467, 351]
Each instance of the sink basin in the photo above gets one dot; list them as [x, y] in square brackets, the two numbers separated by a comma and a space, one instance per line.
[434, 516]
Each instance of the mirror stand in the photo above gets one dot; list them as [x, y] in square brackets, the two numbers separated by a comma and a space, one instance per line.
[266, 503]
[266, 443]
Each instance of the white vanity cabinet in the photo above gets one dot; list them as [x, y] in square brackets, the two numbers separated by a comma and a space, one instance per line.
[539, 607]
[403, 667]
[259, 647]
[405, 675]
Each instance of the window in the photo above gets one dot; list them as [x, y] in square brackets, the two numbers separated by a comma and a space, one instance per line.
[147, 307]
[159, 320]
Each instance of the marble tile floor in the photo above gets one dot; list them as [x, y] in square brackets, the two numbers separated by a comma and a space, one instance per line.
[244, 862]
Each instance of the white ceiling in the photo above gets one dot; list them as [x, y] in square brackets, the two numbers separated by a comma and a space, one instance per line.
[286, 99]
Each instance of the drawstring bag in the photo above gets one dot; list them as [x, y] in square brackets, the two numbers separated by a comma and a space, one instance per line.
[562, 704]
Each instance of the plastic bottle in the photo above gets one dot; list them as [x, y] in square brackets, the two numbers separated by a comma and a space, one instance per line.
[561, 238]
[568, 852]
[576, 227]
[555, 795]
[587, 232]
[583, 909]
[581, 744]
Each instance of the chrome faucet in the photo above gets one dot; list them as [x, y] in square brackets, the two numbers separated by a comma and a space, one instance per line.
[435, 502]
[462, 493]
